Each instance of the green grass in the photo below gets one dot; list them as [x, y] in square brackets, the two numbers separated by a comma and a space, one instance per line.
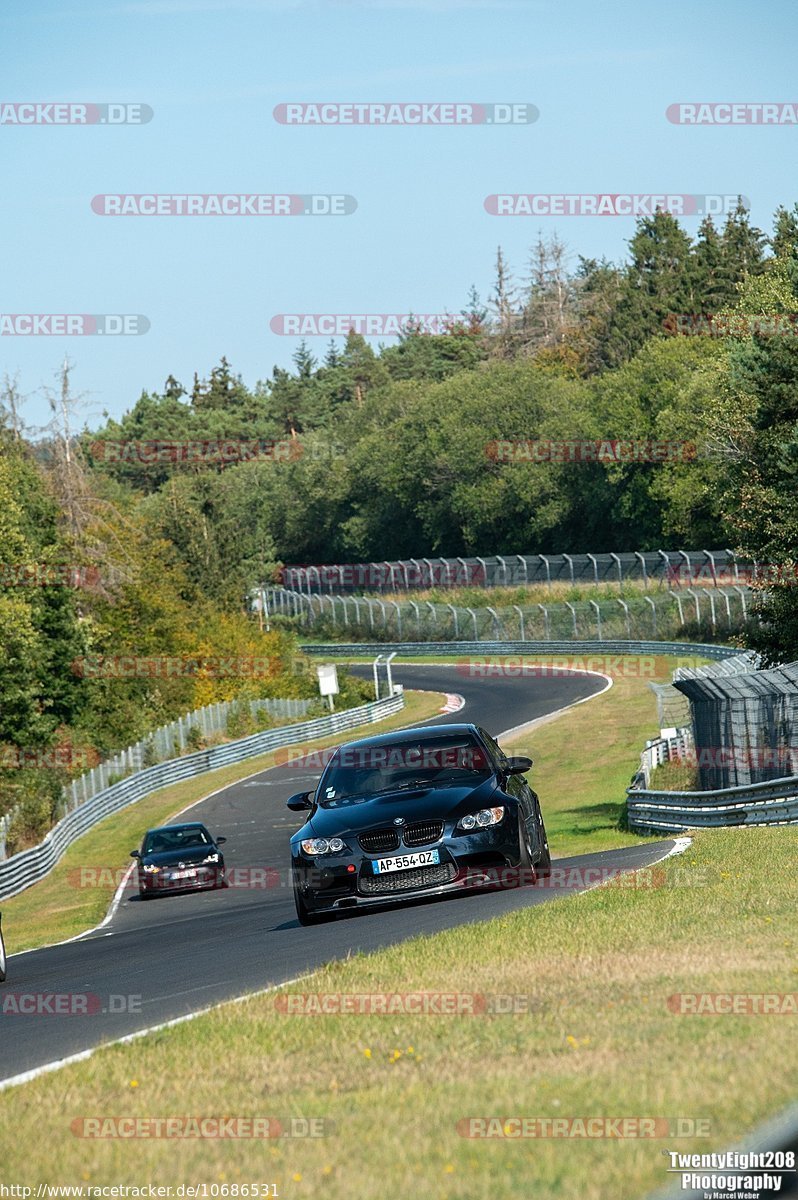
[56, 908]
[599, 1039]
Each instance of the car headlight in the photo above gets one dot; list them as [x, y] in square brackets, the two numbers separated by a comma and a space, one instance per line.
[211, 858]
[480, 820]
[151, 869]
[314, 846]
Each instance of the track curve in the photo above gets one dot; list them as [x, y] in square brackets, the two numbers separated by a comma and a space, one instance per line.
[181, 953]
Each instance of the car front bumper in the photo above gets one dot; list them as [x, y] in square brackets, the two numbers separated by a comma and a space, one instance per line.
[486, 858]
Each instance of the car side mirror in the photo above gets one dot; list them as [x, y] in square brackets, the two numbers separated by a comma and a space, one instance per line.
[518, 765]
[135, 854]
[220, 841]
[299, 802]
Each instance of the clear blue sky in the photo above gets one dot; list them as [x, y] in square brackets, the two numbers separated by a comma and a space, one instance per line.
[602, 76]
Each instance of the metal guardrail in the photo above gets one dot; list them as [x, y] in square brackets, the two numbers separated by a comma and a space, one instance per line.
[429, 649]
[772, 803]
[29, 866]
[160, 744]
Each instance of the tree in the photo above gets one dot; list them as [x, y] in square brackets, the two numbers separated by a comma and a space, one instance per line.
[755, 426]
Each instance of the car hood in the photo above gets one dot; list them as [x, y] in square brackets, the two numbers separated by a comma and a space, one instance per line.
[190, 856]
[424, 804]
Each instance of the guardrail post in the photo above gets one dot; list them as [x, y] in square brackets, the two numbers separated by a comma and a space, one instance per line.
[678, 600]
[546, 626]
[643, 570]
[453, 611]
[620, 570]
[573, 614]
[474, 618]
[690, 592]
[598, 616]
[547, 565]
[521, 620]
[625, 607]
[742, 598]
[570, 562]
[497, 625]
[653, 614]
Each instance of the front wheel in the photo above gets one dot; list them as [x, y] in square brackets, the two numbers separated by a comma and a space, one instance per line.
[526, 870]
[543, 866]
[2, 958]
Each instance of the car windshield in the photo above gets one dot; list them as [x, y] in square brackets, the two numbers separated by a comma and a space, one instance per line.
[359, 772]
[159, 841]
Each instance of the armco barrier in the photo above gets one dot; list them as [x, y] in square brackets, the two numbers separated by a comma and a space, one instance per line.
[429, 649]
[29, 866]
[772, 803]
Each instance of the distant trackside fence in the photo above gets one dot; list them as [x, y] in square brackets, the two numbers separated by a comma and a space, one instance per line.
[712, 611]
[653, 568]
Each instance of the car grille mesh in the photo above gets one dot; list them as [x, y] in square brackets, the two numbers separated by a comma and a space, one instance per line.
[376, 841]
[421, 832]
[403, 881]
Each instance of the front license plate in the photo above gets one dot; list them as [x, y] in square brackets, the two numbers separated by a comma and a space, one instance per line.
[184, 874]
[403, 862]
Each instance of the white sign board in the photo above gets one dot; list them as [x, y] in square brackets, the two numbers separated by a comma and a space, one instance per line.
[328, 679]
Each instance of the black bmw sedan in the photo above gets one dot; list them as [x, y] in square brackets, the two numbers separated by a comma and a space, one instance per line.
[415, 813]
[179, 857]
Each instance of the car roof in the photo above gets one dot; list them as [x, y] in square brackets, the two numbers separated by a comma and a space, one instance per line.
[417, 733]
[177, 825]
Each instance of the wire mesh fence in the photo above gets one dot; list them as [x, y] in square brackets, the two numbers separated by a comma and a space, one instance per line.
[713, 612]
[653, 568]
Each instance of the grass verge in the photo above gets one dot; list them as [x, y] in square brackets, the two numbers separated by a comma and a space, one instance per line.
[600, 1037]
[53, 909]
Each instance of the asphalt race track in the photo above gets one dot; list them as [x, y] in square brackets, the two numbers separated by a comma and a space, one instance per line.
[180, 953]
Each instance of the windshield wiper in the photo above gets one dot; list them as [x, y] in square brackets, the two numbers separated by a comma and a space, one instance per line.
[406, 787]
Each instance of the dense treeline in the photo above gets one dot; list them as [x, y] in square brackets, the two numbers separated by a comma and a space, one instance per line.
[374, 454]
[103, 635]
[386, 453]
